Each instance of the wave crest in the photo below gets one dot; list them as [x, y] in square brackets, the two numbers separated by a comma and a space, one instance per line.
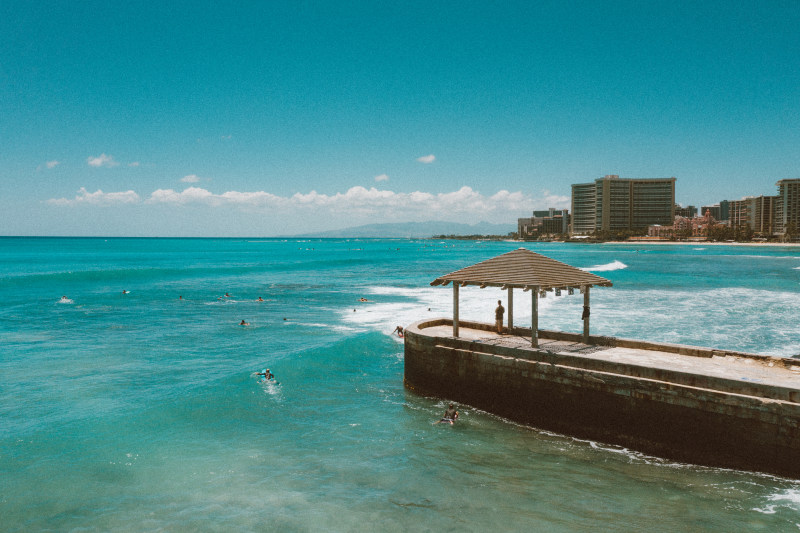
[616, 265]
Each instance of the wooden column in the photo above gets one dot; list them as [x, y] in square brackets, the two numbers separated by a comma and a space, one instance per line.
[455, 309]
[586, 315]
[535, 317]
[510, 309]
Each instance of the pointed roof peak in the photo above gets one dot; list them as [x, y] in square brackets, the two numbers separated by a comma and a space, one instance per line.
[523, 268]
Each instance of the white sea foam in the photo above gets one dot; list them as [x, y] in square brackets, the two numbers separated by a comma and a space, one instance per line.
[788, 498]
[728, 318]
[430, 302]
[616, 265]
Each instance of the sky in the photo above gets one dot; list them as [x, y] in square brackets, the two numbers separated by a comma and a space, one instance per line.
[280, 118]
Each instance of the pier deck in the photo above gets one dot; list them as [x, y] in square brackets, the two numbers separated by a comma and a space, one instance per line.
[693, 404]
[754, 369]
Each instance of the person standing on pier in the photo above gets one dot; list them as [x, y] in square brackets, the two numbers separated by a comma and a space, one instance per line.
[498, 317]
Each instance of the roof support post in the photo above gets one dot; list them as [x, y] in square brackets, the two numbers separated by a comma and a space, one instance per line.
[535, 317]
[455, 309]
[510, 309]
[586, 315]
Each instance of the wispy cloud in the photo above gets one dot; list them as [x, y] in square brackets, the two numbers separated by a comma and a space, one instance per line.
[191, 178]
[134, 164]
[382, 177]
[98, 197]
[101, 160]
[427, 159]
[48, 165]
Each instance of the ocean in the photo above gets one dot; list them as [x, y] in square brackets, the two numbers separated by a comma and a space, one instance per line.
[132, 404]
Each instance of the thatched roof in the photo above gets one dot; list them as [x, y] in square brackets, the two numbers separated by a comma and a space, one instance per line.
[524, 269]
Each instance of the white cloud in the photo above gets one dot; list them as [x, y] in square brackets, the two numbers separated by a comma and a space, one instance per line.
[133, 164]
[382, 177]
[191, 178]
[354, 205]
[427, 159]
[102, 160]
[360, 201]
[98, 197]
[48, 165]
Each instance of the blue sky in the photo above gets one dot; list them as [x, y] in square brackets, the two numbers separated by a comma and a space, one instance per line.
[266, 118]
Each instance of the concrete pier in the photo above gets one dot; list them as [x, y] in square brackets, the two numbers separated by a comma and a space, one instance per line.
[691, 404]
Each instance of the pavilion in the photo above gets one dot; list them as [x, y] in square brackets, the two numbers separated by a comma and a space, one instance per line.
[529, 271]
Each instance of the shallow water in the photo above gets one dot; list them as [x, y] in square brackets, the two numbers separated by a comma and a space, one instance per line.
[140, 411]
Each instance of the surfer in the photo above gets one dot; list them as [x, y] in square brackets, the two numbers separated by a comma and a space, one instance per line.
[267, 375]
[243, 323]
[450, 415]
[399, 331]
[260, 299]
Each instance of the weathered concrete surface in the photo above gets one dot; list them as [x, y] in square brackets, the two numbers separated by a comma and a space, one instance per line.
[691, 404]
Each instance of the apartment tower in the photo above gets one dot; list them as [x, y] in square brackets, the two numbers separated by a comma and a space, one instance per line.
[612, 204]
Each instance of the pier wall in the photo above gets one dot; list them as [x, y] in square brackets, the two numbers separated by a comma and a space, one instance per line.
[686, 417]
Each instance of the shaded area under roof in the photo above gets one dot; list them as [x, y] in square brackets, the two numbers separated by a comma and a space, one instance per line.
[522, 268]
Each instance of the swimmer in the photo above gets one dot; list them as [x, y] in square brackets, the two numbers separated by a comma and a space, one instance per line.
[260, 299]
[227, 295]
[267, 375]
[243, 323]
[450, 415]
[124, 291]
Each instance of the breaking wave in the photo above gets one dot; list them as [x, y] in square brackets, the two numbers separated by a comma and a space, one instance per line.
[616, 265]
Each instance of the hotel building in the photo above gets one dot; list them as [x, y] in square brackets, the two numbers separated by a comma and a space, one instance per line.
[787, 208]
[551, 222]
[611, 204]
[758, 212]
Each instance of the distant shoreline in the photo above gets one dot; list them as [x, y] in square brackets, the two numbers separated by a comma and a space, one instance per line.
[708, 243]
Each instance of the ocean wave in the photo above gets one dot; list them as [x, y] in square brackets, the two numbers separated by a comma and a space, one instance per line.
[616, 265]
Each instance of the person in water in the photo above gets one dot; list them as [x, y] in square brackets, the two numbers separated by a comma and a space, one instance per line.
[243, 323]
[267, 375]
[399, 331]
[450, 415]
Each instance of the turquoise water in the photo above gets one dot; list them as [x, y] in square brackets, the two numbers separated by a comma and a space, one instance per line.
[140, 411]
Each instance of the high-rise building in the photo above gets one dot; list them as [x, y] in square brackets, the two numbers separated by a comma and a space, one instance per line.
[611, 204]
[551, 222]
[787, 205]
[757, 212]
[720, 211]
[689, 211]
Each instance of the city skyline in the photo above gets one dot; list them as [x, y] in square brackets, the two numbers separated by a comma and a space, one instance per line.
[204, 120]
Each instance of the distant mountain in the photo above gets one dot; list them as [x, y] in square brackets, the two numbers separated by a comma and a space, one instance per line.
[414, 230]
